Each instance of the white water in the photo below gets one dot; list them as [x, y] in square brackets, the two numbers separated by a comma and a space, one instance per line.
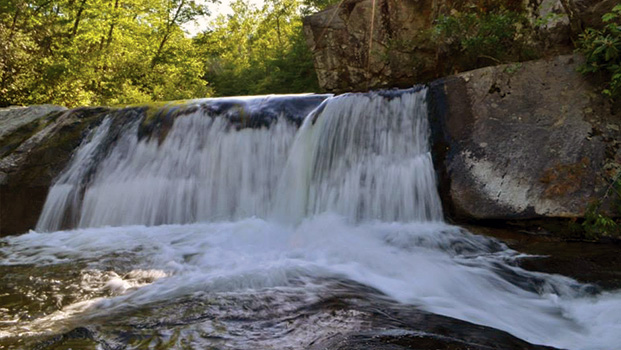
[366, 158]
[352, 197]
[431, 265]
[362, 156]
[65, 198]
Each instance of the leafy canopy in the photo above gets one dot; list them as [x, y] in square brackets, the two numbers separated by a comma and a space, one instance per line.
[258, 50]
[111, 52]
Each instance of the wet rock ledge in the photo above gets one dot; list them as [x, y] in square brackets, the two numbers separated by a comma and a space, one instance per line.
[35, 145]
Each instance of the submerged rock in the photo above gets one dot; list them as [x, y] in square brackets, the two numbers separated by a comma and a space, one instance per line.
[523, 141]
[349, 317]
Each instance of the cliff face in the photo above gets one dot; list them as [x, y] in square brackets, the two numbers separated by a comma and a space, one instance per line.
[368, 44]
[351, 53]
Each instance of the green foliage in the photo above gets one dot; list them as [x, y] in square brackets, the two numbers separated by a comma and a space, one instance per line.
[596, 224]
[116, 52]
[310, 6]
[258, 50]
[602, 48]
[85, 52]
[486, 32]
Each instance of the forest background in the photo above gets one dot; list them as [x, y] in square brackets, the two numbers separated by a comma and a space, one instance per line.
[119, 52]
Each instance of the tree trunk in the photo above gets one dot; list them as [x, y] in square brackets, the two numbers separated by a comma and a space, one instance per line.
[76, 24]
[169, 25]
[109, 40]
[14, 24]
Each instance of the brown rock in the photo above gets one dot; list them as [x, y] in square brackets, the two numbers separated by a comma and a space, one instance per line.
[370, 44]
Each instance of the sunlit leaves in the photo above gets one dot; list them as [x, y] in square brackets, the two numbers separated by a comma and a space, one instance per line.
[88, 52]
[76, 52]
[258, 50]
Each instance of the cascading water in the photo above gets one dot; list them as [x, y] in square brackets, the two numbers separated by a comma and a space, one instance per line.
[243, 223]
[362, 156]
[207, 168]
[365, 157]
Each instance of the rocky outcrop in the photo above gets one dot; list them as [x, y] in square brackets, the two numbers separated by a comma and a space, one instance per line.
[523, 141]
[35, 145]
[351, 53]
[368, 44]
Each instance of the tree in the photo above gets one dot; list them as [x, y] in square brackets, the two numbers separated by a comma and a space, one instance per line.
[85, 52]
[258, 50]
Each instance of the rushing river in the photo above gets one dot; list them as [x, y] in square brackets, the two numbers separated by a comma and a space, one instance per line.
[213, 234]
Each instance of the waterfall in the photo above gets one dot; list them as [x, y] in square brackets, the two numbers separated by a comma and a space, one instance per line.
[202, 171]
[364, 156]
[65, 196]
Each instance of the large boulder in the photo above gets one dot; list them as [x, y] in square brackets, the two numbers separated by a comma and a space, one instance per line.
[523, 141]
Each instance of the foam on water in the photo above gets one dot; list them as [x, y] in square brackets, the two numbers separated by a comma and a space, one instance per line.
[434, 266]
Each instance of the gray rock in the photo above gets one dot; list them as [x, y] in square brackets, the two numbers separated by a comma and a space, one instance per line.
[523, 141]
[38, 144]
[12, 118]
